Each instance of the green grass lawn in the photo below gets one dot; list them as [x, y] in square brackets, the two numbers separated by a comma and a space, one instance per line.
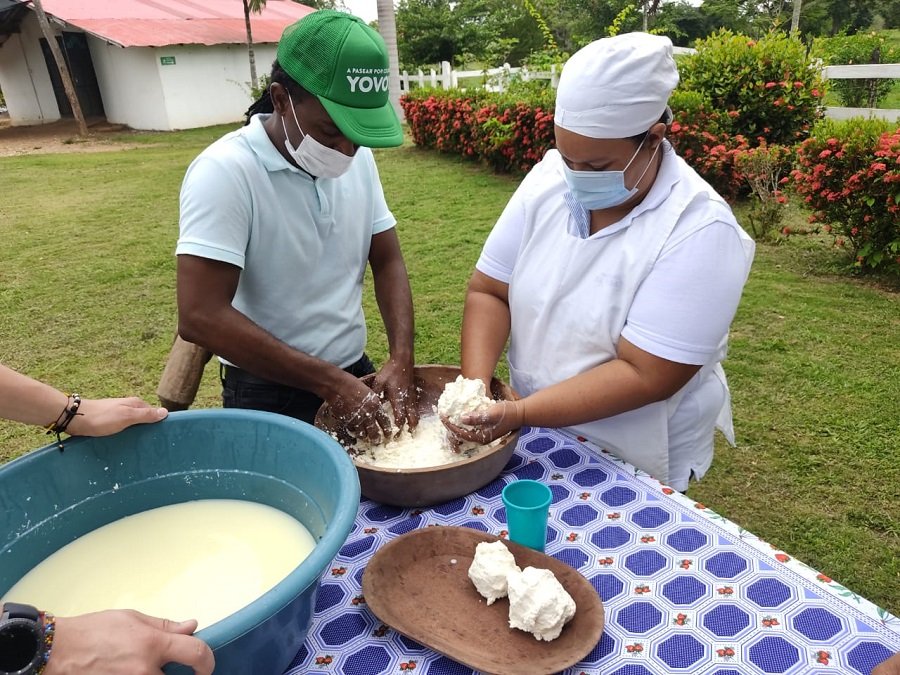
[87, 296]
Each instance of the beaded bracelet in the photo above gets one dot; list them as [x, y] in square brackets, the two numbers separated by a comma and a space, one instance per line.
[49, 622]
[65, 417]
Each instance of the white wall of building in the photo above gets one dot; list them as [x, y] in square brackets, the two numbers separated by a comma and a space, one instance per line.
[140, 86]
[129, 85]
[209, 85]
[24, 77]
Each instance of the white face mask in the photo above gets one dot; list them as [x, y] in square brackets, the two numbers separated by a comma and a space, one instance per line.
[313, 157]
[598, 190]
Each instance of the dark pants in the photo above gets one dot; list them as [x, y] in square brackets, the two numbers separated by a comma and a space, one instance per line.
[240, 389]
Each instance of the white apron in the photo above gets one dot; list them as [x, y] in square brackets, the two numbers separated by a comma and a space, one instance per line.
[569, 300]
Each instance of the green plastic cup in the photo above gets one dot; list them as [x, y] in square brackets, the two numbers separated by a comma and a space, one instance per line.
[527, 505]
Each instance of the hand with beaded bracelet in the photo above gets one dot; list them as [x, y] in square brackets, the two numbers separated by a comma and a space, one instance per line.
[23, 399]
[124, 642]
[114, 642]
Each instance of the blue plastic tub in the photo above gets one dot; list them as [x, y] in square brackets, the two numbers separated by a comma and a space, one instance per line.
[49, 498]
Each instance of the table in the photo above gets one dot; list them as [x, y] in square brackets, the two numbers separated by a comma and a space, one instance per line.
[685, 590]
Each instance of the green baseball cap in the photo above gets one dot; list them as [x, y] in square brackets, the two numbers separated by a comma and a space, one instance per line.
[344, 62]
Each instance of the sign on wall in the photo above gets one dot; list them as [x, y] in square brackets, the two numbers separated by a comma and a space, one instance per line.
[167, 60]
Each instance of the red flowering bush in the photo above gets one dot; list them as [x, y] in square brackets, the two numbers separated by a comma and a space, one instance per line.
[849, 175]
[513, 137]
[704, 138]
[770, 86]
[510, 136]
[442, 121]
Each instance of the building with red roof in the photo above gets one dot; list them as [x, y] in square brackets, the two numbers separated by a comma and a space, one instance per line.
[148, 64]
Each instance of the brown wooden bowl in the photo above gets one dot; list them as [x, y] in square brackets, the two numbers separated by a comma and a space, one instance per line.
[436, 484]
[418, 584]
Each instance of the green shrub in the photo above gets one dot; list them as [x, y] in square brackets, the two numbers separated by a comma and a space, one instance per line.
[544, 59]
[772, 87]
[856, 49]
[849, 174]
[533, 92]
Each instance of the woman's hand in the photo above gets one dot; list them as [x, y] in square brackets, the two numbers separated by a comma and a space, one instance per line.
[488, 425]
[105, 416]
[125, 642]
[889, 667]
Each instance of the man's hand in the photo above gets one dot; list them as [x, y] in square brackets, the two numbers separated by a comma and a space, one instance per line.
[359, 409]
[493, 422]
[889, 667]
[101, 417]
[396, 383]
[125, 642]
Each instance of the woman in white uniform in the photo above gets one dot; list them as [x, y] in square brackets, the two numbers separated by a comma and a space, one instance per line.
[614, 272]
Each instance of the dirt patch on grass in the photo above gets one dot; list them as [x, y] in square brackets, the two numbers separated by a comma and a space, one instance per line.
[61, 136]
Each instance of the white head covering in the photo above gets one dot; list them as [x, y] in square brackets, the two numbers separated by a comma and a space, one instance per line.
[616, 87]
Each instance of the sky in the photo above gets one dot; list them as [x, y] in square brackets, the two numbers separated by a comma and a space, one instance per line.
[367, 10]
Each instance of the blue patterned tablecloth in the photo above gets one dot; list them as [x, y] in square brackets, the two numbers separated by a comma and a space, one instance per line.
[685, 590]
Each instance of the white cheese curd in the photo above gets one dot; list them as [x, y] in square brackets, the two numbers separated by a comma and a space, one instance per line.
[461, 397]
[424, 447]
[489, 569]
[538, 603]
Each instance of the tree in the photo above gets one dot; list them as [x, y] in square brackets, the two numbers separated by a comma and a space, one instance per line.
[888, 11]
[255, 6]
[837, 16]
[575, 23]
[737, 17]
[498, 31]
[321, 4]
[387, 26]
[682, 22]
[489, 31]
[62, 67]
[427, 32]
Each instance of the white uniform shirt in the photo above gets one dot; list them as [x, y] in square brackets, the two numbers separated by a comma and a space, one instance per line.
[668, 278]
[302, 244]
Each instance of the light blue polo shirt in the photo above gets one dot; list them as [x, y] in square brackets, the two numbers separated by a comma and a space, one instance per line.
[302, 244]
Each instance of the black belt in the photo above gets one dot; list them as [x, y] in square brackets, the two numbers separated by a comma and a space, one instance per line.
[358, 369]
[238, 375]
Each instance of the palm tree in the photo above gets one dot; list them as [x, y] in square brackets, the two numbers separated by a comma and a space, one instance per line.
[62, 67]
[387, 26]
[255, 6]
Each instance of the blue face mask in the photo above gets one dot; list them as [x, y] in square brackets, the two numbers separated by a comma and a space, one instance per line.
[597, 190]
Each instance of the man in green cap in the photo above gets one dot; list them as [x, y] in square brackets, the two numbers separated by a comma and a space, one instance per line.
[278, 221]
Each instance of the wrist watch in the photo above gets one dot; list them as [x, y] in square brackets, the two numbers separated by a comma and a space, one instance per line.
[21, 640]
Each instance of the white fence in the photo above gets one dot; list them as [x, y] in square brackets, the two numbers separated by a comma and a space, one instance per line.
[873, 71]
[492, 79]
[497, 79]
